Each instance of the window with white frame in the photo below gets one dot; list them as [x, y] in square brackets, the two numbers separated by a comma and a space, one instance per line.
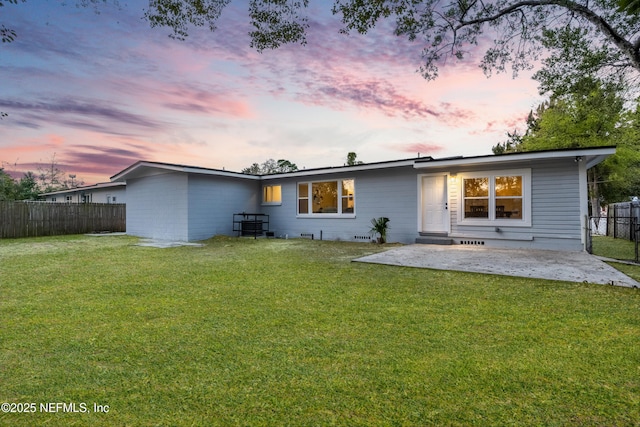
[272, 195]
[335, 197]
[494, 197]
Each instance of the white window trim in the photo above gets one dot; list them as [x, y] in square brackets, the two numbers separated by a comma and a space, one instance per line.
[325, 215]
[271, 203]
[492, 220]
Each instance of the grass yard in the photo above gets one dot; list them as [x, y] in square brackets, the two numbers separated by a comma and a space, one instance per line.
[290, 332]
[621, 249]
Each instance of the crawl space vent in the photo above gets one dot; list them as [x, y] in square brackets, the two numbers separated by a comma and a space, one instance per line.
[472, 242]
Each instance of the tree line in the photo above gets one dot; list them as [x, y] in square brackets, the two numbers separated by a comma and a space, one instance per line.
[593, 114]
[270, 166]
[32, 184]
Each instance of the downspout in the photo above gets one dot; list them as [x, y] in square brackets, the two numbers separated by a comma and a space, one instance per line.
[584, 199]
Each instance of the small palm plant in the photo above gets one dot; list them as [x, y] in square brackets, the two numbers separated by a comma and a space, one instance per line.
[380, 227]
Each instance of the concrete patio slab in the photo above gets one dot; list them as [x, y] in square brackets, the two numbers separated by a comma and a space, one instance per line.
[157, 243]
[539, 264]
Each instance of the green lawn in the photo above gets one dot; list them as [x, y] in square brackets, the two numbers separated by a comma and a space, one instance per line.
[291, 332]
[621, 249]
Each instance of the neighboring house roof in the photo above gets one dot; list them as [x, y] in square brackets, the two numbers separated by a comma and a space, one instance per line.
[592, 156]
[99, 186]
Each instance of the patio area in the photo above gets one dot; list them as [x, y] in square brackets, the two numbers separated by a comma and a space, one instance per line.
[540, 264]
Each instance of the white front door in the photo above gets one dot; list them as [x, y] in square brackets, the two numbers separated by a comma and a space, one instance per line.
[435, 210]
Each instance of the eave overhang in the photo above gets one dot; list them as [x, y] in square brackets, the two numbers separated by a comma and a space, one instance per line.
[592, 156]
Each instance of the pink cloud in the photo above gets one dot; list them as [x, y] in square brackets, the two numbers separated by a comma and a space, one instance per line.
[368, 94]
[192, 99]
[424, 148]
[505, 125]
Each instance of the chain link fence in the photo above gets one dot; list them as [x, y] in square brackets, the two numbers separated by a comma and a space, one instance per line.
[622, 221]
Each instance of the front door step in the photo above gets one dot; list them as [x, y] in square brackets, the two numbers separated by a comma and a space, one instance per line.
[434, 240]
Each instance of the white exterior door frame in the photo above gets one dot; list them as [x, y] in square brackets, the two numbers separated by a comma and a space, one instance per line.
[433, 206]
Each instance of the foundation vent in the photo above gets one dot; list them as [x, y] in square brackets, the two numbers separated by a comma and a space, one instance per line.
[472, 242]
[361, 237]
[307, 235]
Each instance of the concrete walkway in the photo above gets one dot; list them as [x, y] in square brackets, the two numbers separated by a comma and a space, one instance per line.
[540, 264]
[159, 243]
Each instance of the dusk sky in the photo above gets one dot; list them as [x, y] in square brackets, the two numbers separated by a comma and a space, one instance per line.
[101, 91]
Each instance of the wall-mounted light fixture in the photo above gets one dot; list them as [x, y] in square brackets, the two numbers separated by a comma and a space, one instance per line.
[578, 159]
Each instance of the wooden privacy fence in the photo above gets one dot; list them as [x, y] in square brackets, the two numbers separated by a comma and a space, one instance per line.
[623, 220]
[32, 219]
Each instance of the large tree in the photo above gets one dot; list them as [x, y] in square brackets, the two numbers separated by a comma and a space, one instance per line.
[25, 189]
[7, 186]
[571, 37]
[593, 115]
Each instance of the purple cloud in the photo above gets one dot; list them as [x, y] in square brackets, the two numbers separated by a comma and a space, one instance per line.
[92, 115]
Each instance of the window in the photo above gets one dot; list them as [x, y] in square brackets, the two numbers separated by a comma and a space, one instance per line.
[496, 197]
[327, 197]
[476, 197]
[271, 195]
[303, 198]
[509, 197]
[348, 190]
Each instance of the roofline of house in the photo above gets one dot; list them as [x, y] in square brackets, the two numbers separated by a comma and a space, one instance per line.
[347, 168]
[593, 156]
[120, 176]
[179, 168]
[97, 186]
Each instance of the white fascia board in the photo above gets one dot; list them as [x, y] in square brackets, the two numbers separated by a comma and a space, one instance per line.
[155, 168]
[592, 156]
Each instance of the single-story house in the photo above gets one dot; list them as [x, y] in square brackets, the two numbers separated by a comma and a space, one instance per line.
[524, 200]
[104, 192]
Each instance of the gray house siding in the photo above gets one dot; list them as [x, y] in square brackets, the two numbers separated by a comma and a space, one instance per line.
[157, 207]
[180, 206]
[386, 192]
[188, 203]
[556, 206]
[213, 200]
[555, 210]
